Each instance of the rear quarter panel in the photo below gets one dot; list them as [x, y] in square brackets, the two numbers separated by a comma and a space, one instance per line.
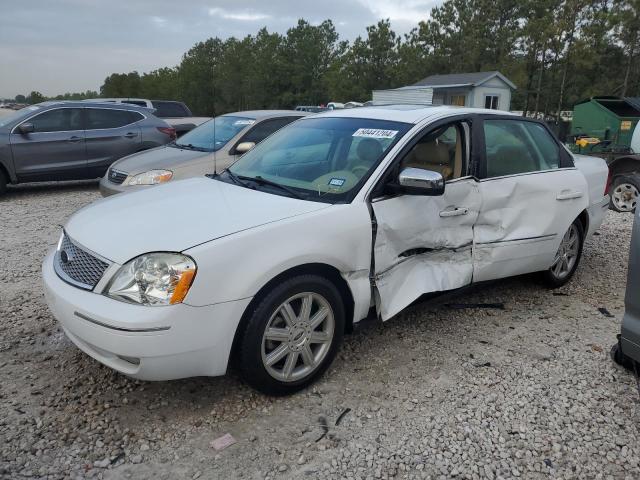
[596, 172]
[151, 136]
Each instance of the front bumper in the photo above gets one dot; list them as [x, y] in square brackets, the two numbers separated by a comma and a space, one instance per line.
[148, 343]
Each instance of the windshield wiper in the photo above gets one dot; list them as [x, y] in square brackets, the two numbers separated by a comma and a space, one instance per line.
[189, 146]
[235, 178]
[263, 181]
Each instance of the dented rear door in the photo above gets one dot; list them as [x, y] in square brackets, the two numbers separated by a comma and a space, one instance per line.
[531, 193]
[424, 244]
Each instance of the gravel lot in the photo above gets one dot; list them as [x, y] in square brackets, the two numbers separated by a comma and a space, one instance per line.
[437, 392]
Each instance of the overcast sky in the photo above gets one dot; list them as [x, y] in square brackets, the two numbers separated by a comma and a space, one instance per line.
[72, 45]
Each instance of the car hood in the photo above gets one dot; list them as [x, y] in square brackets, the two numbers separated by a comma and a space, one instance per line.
[162, 158]
[177, 216]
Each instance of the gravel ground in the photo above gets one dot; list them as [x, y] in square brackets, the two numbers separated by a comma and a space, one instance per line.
[437, 392]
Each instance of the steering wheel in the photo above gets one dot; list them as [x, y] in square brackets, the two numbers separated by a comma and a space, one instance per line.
[360, 168]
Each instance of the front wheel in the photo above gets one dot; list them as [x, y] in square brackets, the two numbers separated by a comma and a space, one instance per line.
[3, 182]
[292, 336]
[567, 257]
[624, 194]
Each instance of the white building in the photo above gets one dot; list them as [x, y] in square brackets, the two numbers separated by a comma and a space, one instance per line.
[479, 89]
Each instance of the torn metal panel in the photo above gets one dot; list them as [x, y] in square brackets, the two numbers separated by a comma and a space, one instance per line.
[434, 271]
[424, 244]
[523, 219]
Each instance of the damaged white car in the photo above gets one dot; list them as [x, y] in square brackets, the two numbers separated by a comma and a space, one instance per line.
[267, 265]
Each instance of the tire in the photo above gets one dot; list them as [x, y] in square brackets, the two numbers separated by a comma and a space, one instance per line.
[295, 352]
[567, 258]
[624, 193]
[620, 358]
[3, 183]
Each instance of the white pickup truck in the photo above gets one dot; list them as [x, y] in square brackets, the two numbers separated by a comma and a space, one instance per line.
[176, 114]
[269, 263]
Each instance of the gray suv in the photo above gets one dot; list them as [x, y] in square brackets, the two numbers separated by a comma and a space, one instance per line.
[627, 350]
[74, 140]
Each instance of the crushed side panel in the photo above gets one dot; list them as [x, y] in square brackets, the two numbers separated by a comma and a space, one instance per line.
[417, 250]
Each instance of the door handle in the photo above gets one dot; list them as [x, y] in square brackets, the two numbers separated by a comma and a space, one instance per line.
[454, 212]
[569, 195]
[131, 135]
[74, 139]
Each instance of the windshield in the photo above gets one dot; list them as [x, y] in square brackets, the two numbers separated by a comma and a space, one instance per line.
[323, 159]
[214, 134]
[18, 115]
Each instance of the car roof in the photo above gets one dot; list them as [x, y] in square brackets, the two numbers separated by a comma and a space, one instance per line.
[406, 113]
[94, 103]
[260, 114]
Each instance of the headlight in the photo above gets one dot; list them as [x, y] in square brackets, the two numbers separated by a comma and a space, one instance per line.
[152, 177]
[154, 279]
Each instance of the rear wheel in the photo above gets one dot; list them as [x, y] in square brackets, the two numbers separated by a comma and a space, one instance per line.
[567, 257]
[624, 193]
[292, 335]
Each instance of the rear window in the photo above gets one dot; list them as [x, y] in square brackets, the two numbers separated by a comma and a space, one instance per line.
[140, 103]
[170, 109]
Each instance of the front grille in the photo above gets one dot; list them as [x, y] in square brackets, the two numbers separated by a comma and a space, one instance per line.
[116, 176]
[77, 266]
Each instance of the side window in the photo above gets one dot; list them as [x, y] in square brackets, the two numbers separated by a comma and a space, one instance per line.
[514, 147]
[491, 102]
[266, 128]
[170, 109]
[59, 120]
[546, 146]
[442, 150]
[101, 118]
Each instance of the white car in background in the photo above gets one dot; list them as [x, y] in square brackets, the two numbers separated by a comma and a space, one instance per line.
[269, 263]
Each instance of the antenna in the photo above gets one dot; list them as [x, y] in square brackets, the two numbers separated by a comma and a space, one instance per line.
[213, 109]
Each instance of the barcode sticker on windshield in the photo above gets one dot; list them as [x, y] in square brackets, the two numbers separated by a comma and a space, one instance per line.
[375, 133]
[244, 122]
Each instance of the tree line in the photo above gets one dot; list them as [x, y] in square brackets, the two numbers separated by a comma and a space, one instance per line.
[556, 51]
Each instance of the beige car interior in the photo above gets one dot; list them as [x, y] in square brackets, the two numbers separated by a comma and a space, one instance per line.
[368, 151]
[438, 155]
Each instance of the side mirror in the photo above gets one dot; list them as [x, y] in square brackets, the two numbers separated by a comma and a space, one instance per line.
[26, 128]
[416, 181]
[244, 147]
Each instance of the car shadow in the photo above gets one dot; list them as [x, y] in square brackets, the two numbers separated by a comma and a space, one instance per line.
[30, 189]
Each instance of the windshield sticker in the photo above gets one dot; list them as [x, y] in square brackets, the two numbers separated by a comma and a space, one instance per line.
[374, 133]
[244, 122]
[337, 182]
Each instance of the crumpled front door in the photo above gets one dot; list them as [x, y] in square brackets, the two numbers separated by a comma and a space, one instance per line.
[424, 244]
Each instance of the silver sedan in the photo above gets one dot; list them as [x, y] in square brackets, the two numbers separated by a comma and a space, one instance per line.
[212, 146]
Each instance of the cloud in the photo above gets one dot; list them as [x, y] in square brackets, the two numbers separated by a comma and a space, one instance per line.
[404, 11]
[243, 16]
[159, 21]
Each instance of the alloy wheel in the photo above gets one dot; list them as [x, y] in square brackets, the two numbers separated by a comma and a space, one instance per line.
[298, 337]
[567, 255]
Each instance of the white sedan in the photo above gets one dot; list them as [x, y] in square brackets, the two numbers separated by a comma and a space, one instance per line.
[333, 217]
